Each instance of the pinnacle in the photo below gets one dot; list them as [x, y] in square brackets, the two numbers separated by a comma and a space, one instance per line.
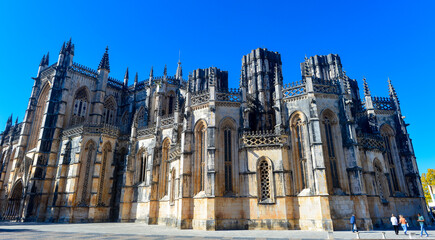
[104, 63]
[366, 87]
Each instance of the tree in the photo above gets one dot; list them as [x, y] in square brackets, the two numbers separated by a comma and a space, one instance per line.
[428, 179]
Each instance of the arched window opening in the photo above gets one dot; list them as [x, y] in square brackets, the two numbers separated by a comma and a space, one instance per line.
[80, 107]
[379, 178]
[200, 157]
[171, 105]
[37, 118]
[265, 191]
[330, 155]
[87, 169]
[165, 168]
[67, 155]
[228, 161]
[140, 117]
[106, 150]
[299, 154]
[142, 167]
[12, 210]
[109, 112]
[388, 136]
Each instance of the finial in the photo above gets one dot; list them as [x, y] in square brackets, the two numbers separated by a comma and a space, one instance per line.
[42, 61]
[47, 58]
[136, 79]
[104, 63]
[126, 78]
[366, 87]
[16, 121]
[151, 72]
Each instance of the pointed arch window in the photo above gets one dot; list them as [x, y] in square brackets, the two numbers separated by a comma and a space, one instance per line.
[87, 170]
[142, 167]
[140, 118]
[67, 155]
[109, 112]
[299, 150]
[228, 161]
[200, 158]
[164, 168]
[101, 191]
[80, 107]
[388, 137]
[37, 119]
[379, 181]
[330, 155]
[265, 181]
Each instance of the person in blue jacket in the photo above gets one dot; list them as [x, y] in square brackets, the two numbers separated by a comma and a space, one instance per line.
[353, 223]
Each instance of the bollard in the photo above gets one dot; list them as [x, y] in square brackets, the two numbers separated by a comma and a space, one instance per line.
[410, 235]
[330, 235]
[383, 235]
[357, 235]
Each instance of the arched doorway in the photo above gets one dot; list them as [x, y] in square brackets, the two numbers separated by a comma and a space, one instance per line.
[12, 211]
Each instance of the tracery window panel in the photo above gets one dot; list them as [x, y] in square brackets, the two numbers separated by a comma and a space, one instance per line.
[109, 112]
[265, 181]
[301, 161]
[80, 107]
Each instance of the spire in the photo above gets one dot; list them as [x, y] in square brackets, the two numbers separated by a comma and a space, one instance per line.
[47, 59]
[126, 78]
[179, 74]
[42, 61]
[151, 72]
[366, 87]
[165, 72]
[391, 90]
[16, 121]
[104, 63]
[150, 81]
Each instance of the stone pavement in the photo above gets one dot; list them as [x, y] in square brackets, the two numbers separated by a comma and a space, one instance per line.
[143, 231]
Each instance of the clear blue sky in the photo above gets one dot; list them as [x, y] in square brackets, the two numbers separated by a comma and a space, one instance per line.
[375, 39]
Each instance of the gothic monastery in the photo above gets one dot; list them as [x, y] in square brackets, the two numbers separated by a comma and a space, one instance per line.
[195, 154]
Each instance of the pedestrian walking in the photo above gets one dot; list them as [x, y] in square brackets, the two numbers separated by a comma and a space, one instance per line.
[403, 223]
[395, 223]
[422, 228]
[353, 223]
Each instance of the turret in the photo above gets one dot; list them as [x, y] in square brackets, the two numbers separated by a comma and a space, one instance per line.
[126, 78]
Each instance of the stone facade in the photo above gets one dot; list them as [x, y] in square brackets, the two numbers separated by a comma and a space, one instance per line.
[196, 154]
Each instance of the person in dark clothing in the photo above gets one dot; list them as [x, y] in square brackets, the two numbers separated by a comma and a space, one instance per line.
[353, 223]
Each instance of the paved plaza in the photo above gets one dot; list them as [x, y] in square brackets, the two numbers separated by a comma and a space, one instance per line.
[143, 231]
